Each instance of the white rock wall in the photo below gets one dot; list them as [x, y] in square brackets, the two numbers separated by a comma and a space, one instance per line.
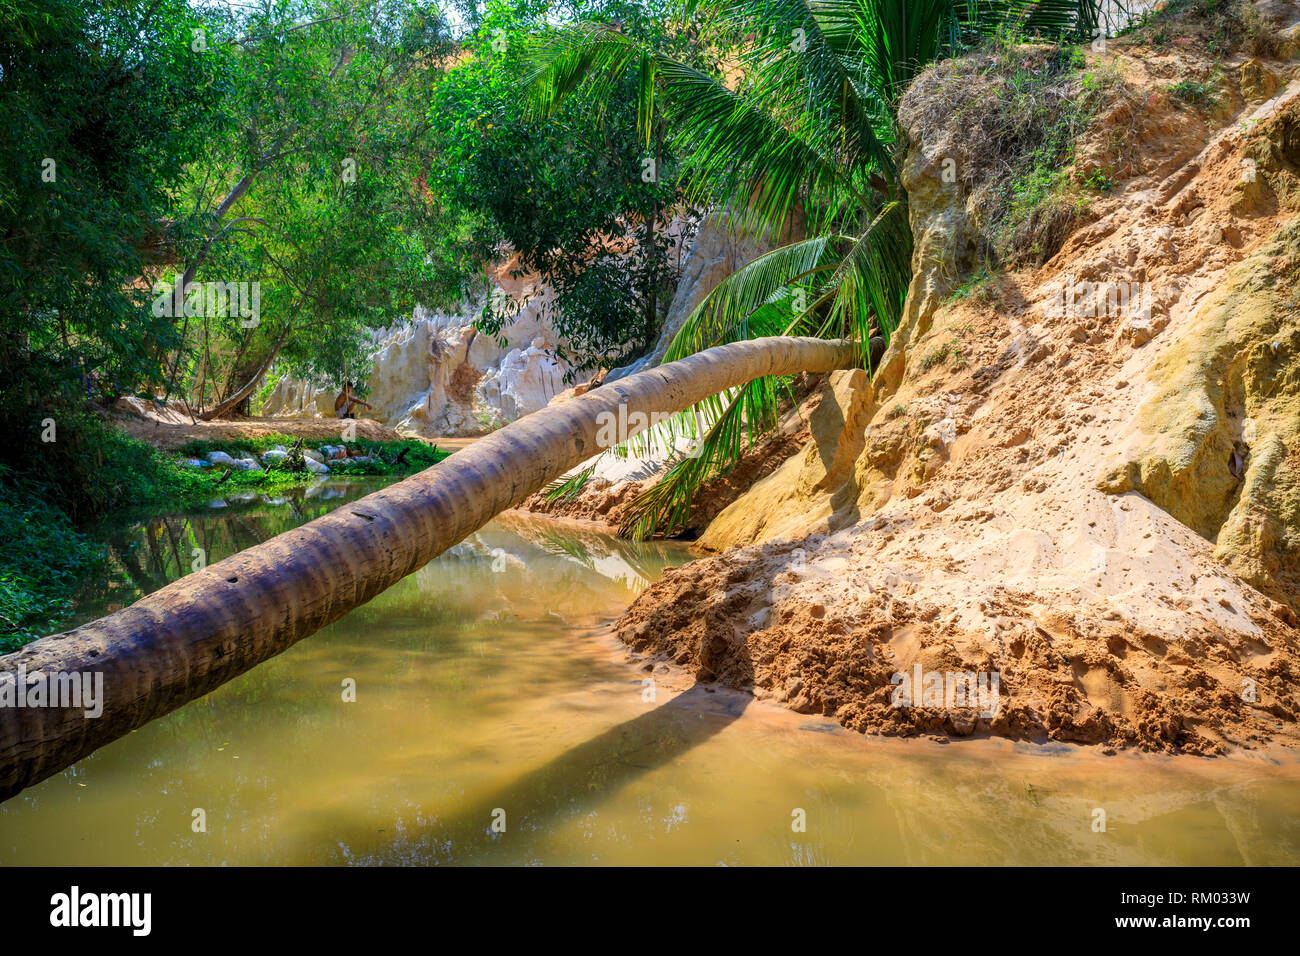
[436, 375]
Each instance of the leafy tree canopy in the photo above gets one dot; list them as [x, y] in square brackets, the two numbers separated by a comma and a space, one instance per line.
[579, 195]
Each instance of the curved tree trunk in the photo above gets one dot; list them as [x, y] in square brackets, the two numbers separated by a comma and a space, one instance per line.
[195, 634]
[221, 408]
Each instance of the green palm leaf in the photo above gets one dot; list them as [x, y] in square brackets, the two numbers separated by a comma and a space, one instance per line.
[723, 312]
[665, 507]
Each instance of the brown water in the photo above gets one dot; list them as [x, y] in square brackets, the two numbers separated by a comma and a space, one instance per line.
[488, 689]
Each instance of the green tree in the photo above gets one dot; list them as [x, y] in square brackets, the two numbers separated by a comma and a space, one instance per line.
[314, 189]
[579, 196]
[103, 105]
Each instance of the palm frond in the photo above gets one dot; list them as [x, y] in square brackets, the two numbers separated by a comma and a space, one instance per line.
[740, 146]
[1053, 19]
[871, 281]
[587, 53]
[808, 129]
[665, 507]
[564, 489]
[721, 314]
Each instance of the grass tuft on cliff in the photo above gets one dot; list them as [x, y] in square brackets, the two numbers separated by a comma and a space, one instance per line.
[1220, 27]
[1009, 117]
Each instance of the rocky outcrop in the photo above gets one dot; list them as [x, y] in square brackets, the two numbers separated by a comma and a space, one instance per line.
[437, 375]
[1217, 445]
[809, 491]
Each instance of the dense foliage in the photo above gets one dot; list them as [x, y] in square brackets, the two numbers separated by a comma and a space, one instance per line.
[306, 171]
[103, 107]
[275, 147]
[578, 197]
[313, 188]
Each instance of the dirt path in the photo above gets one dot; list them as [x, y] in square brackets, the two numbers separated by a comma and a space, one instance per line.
[168, 436]
[166, 430]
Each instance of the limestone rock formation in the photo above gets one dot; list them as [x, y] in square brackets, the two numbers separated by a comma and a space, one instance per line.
[437, 375]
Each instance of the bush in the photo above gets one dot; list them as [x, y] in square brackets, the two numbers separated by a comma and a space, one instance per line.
[1222, 26]
[1193, 92]
[43, 561]
[91, 468]
[1009, 118]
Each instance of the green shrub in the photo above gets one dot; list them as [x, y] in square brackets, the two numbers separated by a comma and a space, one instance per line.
[1009, 118]
[419, 455]
[1222, 26]
[42, 562]
[1194, 92]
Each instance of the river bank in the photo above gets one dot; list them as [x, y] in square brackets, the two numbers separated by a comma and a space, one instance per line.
[146, 464]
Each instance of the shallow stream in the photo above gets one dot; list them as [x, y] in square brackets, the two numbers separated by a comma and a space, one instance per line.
[496, 720]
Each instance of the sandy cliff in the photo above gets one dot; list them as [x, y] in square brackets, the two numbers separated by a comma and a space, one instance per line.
[1080, 474]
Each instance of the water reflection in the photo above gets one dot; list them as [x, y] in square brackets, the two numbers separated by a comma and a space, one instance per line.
[142, 556]
[488, 690]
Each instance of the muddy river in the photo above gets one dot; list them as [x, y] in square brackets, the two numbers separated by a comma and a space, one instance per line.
[480, 712]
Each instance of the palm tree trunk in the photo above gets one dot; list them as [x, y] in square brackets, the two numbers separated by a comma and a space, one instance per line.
[193, 635]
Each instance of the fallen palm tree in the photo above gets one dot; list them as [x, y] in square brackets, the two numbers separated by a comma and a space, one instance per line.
[195, 634]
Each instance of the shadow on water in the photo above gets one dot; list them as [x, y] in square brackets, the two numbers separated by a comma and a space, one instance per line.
[575, 783]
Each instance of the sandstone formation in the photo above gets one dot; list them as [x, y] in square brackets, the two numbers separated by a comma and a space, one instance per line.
[437, 375]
